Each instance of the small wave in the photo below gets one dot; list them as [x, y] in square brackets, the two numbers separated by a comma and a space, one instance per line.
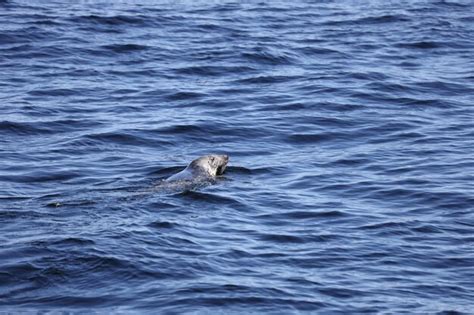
[342, 293]
[311, 51]
[267, 57]
[268, 79]
[10, 39]
[445, 87]
[301, 138]
[46, 127]
[213, 70]
[350, 162]
[162, 225]
[370, 76]
[382, 19]
[23, 214]
[208, 197]
[42, 176]
[280, 238]
[166, 171]
[54, 92]
[24, 35]
[302, 215]
[421, 45]
[122, 138]
[118, 20]
[67, 241]
[21, 128]
[124, 48]
[182, 95]
[182, 129]
[385, 225]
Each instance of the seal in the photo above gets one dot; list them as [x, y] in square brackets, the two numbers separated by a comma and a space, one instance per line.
[205, 167]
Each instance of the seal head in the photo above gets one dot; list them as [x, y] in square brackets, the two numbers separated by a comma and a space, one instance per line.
[208, 166]
[213, 165]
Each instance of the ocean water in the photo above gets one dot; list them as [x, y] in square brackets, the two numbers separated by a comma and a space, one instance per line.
[350, 131]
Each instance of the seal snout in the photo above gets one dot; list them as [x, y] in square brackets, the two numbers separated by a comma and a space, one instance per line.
[224, 158]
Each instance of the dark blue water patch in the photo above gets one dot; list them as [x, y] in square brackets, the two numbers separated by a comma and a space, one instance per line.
[369, 76]
[125, 48]
[308, 139]
[434, 45]
[179, 96]
[123, 139]
[27, 35]
[239, 304]
[322, 51]
[9, 39]
[21, 214]
[263, 56]
[267, 79]
[19, 128]
[46, 127]
[55, 92]
[213, 70]
[162, 225]
[388, 18]
[117, 20]
[41, 176]
[289, 239]
[444, 87]
[202, 197]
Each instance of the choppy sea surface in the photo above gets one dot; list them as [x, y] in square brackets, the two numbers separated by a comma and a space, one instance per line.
[350, 130]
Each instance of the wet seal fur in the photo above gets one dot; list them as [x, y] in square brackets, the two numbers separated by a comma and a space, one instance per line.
[205, 167]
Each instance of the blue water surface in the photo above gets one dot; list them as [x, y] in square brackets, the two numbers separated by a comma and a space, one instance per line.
[350, 130]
